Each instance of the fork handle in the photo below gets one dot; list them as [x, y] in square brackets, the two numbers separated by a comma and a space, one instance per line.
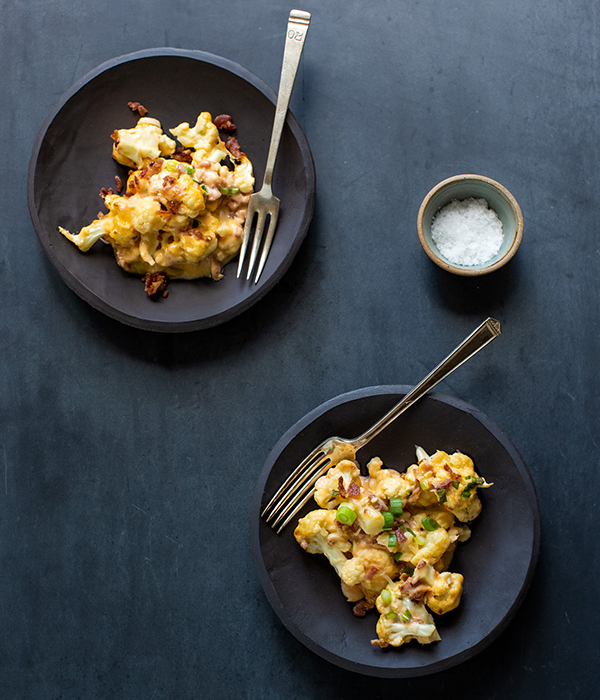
[295, 37]
[480, 337]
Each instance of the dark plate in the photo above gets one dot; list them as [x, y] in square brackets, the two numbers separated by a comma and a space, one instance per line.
[71, 162]
[497, 562]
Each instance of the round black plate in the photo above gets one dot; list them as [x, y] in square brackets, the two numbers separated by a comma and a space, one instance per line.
[497, 562]
[71, 162]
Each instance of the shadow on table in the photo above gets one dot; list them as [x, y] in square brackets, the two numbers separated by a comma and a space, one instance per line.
[196, 347]
[484, 295]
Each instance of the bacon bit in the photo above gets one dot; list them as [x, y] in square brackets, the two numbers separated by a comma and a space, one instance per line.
[183, 155]
[452, 474]
[361, 608]
[371, 572]
[215, 269]
[414, 496]
[137, 107]
[376, 502]
[422, 564]
[105, 192]
[118, 183]
[165, 293]
[341, 488]
[233, 147]
[155, 282]
[353, 489]
[168, 180]
[132, 186]
[115, 136]
[153, 167]
[223, 121]
[442, 485]
[415, 589]
[401, 537]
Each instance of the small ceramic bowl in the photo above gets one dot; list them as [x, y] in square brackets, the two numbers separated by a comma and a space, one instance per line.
[463, 187]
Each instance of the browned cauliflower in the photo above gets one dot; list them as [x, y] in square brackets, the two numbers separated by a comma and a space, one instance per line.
[391, 538]
[402, 620]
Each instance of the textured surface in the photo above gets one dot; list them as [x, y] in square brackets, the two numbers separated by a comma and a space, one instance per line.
[128, 459]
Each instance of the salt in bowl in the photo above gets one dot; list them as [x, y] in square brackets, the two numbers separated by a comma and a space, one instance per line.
[462, 187]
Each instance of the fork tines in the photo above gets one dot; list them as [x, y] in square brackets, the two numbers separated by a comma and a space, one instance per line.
[262, 210]
[296, 490]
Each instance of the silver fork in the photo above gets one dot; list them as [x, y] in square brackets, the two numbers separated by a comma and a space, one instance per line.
[265, 203]
[298, 488]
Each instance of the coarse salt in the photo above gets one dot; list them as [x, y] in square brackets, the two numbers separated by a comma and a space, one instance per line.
[467, 232]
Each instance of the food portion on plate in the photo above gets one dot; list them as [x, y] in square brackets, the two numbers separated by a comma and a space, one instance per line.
[184, 207]
[391, 538]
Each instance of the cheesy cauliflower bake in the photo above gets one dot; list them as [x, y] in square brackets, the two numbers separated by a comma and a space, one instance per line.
[391, 537]
[183, 212]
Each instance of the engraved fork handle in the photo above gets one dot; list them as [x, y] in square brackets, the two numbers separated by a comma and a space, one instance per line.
[478, 339]
[297, 29]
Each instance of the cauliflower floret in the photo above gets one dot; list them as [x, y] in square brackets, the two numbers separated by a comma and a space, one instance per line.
[203, 137]
[378, 567]
[319, 533]
[449, 480]
[88, 235]
[444, 563]
[402, 620]
[445, 593]
[329, 486]
[436, 544]
[243, 175]
[141, 214]
[353, 573]
[127, 217]
[386, 483]
[343, 484]
[145, 142]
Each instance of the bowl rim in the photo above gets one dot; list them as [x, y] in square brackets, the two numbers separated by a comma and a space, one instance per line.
[466, 271]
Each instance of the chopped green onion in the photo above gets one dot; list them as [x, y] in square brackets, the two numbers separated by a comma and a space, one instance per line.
[398, 556]
[429, 524]
[409, 570]
[468, 488]
[386, 596]
[204, 187]
[190, 170]
[418, 540]
[388, 520]
[392, 540]
[478, 481]
[406, 615]
[441, 493]
[424, 485]
[345, 515]
[333, 493]
[230, 190]
[456, 483]
[396, 506]
[171, 166]
[391, 613]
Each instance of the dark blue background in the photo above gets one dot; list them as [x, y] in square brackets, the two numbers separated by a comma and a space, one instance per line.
[127, 459]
